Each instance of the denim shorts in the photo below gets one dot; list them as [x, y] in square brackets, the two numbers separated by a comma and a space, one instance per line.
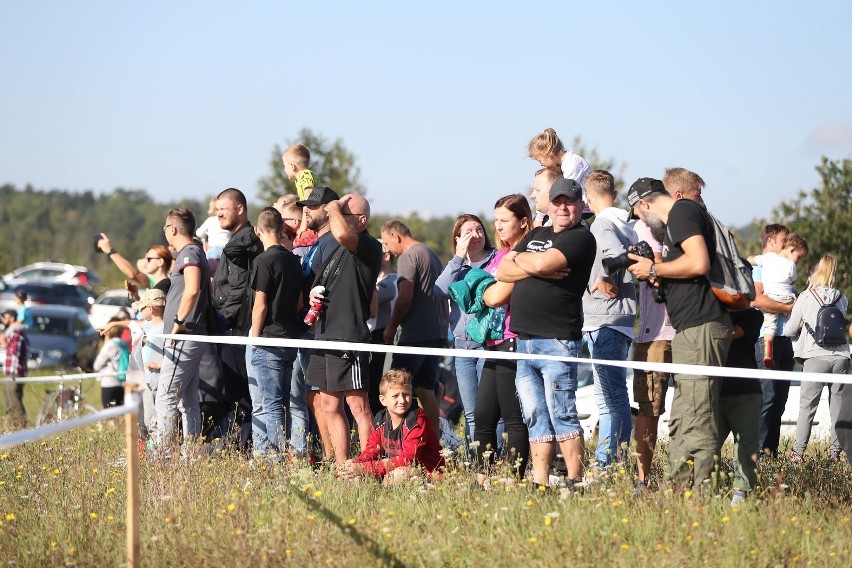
[547, 390]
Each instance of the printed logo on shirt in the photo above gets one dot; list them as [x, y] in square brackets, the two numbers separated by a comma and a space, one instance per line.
[539, 246]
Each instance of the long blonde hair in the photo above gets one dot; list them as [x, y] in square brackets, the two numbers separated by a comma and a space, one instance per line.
[823, 274]
[546, 143]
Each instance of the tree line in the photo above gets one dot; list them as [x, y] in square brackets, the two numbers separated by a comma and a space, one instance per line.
[61, 225]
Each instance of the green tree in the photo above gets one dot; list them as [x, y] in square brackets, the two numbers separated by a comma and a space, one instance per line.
[824, 218]
[332, 164]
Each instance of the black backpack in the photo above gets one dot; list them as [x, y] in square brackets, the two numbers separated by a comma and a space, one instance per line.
[830, 327]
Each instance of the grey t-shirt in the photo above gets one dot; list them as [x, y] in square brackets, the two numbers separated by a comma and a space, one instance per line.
[427, 318]
[196, 319]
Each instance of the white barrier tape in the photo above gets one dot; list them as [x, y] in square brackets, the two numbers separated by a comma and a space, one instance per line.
[34, 434]
[674, 368]
[59, 378]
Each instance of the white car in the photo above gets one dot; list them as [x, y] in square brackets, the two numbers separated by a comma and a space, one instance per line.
[52, 271]
[107, 305]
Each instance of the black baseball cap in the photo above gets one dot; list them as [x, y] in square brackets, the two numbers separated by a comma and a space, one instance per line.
[12, 313]
[567, 187]
[642, 188]
[319, 196]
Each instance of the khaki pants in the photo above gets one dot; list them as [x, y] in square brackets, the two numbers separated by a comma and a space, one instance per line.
[13, 396]
[694, 422]
[740, 415]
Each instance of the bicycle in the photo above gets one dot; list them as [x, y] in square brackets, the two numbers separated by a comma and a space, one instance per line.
[64, 403]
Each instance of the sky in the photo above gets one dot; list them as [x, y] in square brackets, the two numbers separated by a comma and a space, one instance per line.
[437, 100]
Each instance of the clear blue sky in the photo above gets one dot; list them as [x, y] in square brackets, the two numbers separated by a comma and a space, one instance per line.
[437, 100]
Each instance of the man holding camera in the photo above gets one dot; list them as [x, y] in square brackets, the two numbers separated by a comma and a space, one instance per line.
[609, 311]
[550, 268]
[703, 327]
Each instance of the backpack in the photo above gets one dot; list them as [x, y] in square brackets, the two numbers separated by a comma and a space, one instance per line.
[730, 274]
[123, 359]
[830, 327]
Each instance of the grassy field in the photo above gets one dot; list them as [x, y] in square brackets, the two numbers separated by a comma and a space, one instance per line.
[62, 502]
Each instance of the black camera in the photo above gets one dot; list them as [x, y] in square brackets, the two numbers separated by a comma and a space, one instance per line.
[97, 240]
[622, 261]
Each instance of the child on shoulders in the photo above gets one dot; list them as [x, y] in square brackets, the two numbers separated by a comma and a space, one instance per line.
[779, 279]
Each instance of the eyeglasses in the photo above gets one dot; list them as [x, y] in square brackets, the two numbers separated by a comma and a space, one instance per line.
[150, 258]
[166, 227]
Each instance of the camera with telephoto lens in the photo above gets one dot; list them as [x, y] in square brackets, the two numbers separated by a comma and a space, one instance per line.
[616, 263]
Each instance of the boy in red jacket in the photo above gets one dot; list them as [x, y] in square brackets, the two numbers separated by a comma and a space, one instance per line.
[402, 437]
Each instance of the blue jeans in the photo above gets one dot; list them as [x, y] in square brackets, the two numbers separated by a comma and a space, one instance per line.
[468, 371]
[547, 390]
[298, 425]
[774, 392]
[272, 369]
[615, 421]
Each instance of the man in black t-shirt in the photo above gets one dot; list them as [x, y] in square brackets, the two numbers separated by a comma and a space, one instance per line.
[702, 325]
[276, 282]
[550, 268]
[349, 276]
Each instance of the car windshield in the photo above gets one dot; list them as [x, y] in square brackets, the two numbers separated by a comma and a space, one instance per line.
[114, 301]
[51, 325]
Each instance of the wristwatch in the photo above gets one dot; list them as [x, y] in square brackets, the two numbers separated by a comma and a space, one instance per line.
[514, 255]
[179, 321]
[652, 272]
[111, 251]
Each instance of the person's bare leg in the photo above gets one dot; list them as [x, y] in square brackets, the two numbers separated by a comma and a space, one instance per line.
[429, 404]
[572, 451]
[338, 427]
[646, 441]
[359, 405]
[315, 403]
[541, 455]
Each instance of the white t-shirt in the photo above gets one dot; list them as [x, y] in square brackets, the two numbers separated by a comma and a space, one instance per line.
[215, 235]
[778, 274]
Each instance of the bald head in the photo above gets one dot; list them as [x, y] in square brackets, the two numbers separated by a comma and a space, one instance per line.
[357, 211]
[357, 205]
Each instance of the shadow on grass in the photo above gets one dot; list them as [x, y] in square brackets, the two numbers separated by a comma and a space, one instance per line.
[357, 537]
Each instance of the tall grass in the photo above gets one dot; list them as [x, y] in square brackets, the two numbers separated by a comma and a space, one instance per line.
[62, 502]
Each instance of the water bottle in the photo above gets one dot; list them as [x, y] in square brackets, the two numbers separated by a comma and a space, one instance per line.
[316, 307]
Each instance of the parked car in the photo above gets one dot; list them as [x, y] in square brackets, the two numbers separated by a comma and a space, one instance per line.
[42, 293]
[63, 337]
[108, 305]
[53, 271]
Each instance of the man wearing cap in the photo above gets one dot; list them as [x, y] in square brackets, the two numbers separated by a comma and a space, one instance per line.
[148, 353]
[348, 275]
[702, 325]
[550, 268]
[17, 346]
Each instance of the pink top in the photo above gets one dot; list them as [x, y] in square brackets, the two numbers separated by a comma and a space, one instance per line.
[492, 270]
[654, 322]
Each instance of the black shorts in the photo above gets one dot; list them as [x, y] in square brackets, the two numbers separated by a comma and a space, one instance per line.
[423, 368]
[338, 371]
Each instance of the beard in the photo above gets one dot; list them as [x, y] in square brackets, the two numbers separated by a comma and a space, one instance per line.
[316, 223]
[656, 225]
